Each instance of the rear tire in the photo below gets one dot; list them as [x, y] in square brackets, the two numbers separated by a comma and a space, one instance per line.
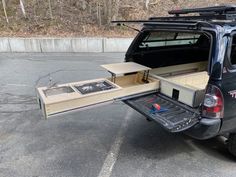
[232, 144]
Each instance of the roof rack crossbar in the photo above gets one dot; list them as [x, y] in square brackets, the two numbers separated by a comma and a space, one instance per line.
[150, 21]
[197, 18]
[204, 17]
[191, 24]
[158, 22]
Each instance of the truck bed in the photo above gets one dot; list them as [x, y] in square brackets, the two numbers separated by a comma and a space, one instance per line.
[182, 90]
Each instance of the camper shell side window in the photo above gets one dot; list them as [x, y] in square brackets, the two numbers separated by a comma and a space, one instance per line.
[232, 57]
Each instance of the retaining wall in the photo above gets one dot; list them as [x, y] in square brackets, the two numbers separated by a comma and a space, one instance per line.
[45, 45]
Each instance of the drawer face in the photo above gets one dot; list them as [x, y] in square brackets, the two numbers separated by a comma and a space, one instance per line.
[184, 95]
[83, 94]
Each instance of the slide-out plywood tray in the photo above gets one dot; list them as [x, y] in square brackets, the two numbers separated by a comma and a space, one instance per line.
[78, 95]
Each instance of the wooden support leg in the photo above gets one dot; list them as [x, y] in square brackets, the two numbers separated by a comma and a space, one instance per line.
[145, 76]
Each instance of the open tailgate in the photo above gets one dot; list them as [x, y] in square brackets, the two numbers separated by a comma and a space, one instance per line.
[173, 116]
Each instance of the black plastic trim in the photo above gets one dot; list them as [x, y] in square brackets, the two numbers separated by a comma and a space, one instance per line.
[205, 129]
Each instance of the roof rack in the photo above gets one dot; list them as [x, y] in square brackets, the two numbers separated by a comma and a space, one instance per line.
[206, 17]
[216, 10]
[227, 12]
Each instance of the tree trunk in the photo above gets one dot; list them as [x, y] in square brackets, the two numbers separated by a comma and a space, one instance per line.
[22, 8]
[50, 8]
[116, 6]
[111, 10]
[105, 7]
[99, 14]
[5, 11]
[146, 4]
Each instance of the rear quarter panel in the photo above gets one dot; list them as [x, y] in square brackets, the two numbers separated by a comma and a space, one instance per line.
[228, 88]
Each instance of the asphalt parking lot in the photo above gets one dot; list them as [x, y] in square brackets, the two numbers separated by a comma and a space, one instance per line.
[106, 141]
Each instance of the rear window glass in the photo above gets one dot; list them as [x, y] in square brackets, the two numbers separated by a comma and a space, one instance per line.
[158, 39]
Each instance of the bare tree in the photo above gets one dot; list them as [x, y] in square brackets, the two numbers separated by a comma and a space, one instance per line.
[22, 8]
[111, 10]
[116, 5]
[146, 4]
[99, 13]
[107, 5]
[5, 11]
[50, 8]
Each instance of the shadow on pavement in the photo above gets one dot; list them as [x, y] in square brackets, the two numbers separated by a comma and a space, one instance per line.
[152, 141]
[215, 147]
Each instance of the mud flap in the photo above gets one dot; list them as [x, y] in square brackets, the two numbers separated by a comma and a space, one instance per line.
[172, 115]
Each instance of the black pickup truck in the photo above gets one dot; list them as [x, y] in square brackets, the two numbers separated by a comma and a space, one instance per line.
[179, 71]
[208, 36]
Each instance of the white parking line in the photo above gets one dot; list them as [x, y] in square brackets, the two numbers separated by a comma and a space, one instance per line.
[112, 155]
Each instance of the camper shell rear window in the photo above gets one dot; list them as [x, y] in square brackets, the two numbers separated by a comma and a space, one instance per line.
[166, 48]
[158, 39]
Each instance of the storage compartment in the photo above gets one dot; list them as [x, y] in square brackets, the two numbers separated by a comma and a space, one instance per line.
[88, 93]
[188, 88]
[94, 87]
[185, 83]
[58, 91]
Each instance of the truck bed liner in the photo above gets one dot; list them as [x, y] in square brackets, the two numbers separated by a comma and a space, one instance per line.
[176, 116]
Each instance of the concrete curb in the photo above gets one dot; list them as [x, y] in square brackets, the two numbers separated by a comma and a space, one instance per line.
[45, 45]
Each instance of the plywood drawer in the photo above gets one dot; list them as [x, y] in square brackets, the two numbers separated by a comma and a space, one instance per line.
[69, 96]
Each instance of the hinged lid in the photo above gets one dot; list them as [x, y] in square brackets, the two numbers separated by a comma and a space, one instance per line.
[124, 68]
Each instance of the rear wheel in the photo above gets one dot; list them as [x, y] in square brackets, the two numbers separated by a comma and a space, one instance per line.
[232, 143]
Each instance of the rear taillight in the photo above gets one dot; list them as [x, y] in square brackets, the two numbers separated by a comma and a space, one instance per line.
[213, 105]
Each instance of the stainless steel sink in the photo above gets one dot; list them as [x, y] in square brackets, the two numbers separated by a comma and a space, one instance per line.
[58, 90]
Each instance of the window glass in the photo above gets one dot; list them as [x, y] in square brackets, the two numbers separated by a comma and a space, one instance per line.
[233, 51]
[158, 39]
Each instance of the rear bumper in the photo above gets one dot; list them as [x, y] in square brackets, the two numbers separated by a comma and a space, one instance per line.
[205, 129]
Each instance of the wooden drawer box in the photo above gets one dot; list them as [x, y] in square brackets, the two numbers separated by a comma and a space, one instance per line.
[77, 95]
[186, 88]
